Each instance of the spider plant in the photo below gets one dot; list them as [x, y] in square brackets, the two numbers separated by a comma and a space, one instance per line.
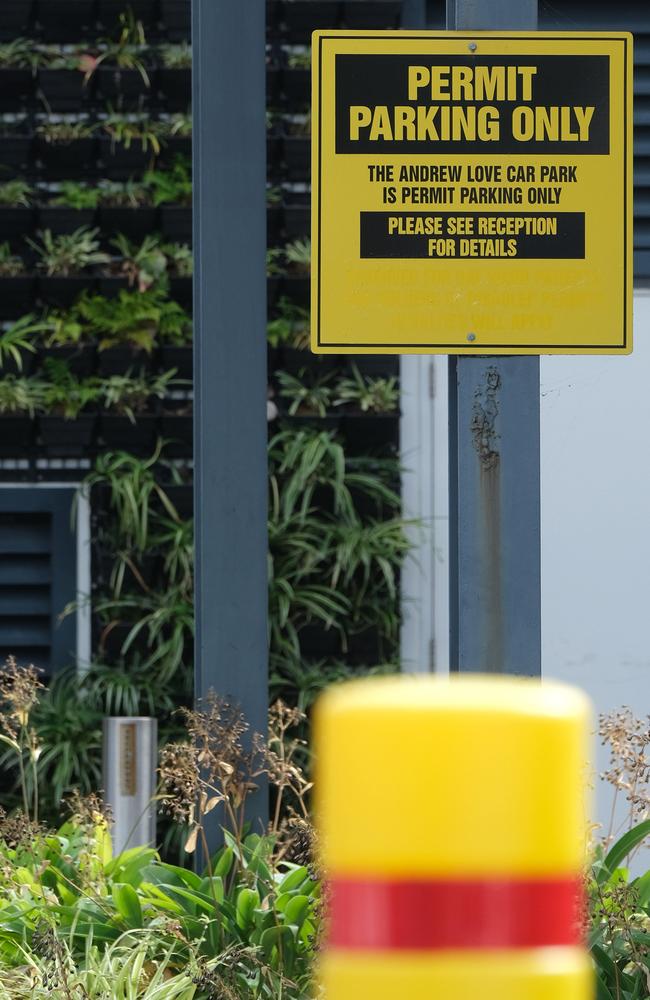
[133, 488]
[128, 395]
[20, 395]
[370, 395]
[290, 326]
[127, 194]
[17, 54]
[166, 619]
[68, 57]
[64, 130]
[69, 253]
[176, 56]
[298, 255]
[177, 125]
[16, 337]
[175, 539]
[17, 192]
[299, 59]
[130, 129]
[128, 50]
[11, 265]
[311, 397]
[274, 262]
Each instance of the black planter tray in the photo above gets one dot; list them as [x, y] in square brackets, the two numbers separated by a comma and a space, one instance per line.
[16, 222]
[330, 422]
[273, 85]
[180, 289]
[120, 432]
[370, 14]
[61, 219]
[273, 152]
[274, 219]
[64, 159]
[297, 221]
[112, 637]
[16, 295]
[108, 12]
[365, 648]
[16, 432]
[118, 360]
[376, 434]
[176, 17]
[176, 223]
[273, 8]
[110, 285]
[180, 358]
[67, 438]
[301, 17]
[176, 145]
[295, 361]
[121, 162]
[273, 290]
[128, 84]
[134, 223]
[15, 151]
[16, 85]
[182, 497]
[175, 85]
[296, 153]
[374, 365]
[10, 365]
[64, 89]
[80, 359]
[66, 20]
[316, 642]
[297, 288]
[15, 18]
[60, 291]
[177, 433]
[296, 87]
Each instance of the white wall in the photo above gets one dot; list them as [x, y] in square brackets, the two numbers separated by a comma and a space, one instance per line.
[596, 523]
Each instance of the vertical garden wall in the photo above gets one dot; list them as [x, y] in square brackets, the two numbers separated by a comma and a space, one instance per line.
[96, 369]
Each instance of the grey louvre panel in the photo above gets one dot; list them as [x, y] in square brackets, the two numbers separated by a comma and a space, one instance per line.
[37, 576]
[620, 15]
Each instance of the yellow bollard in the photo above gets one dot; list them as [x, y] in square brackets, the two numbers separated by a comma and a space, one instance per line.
[452, 821]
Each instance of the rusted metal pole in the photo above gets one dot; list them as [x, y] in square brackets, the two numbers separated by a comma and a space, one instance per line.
[494, 471]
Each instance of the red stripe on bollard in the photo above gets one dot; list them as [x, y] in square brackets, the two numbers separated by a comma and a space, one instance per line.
[436, 914]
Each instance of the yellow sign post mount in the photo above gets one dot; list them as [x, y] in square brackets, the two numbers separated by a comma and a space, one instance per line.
[472, 193]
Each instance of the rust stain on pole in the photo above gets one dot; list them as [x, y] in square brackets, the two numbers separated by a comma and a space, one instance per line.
[486, 445]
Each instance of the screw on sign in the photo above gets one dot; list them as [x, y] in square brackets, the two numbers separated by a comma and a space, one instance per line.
[452, 818]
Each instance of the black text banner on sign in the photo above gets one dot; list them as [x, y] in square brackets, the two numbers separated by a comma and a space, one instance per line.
[472, 193]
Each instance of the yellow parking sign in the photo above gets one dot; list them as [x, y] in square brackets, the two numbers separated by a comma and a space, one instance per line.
[472, 192]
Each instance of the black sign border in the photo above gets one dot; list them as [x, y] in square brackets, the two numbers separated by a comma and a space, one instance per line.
[472, 348]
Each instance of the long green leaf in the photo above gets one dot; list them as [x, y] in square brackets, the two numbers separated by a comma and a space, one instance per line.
[617, 854]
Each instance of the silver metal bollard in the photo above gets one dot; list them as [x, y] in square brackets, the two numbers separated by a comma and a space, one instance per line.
[130, 761]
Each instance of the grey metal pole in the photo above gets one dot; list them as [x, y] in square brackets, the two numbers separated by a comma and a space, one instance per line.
[130, 754]
[230, 361]
[494, 472]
